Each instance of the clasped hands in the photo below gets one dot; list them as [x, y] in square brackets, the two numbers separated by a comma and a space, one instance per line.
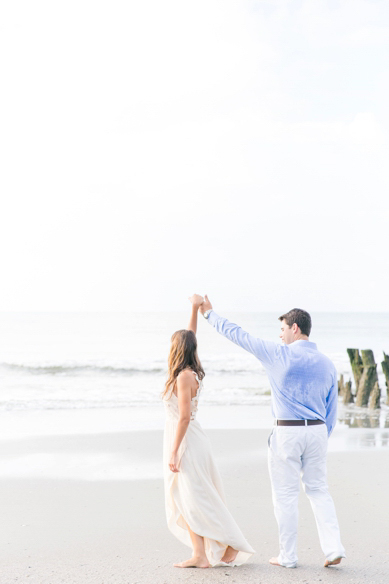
[200, 303]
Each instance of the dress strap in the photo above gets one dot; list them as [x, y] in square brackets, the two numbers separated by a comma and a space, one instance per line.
[197, 377]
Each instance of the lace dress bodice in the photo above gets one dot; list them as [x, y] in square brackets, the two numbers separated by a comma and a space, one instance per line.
[171, 403]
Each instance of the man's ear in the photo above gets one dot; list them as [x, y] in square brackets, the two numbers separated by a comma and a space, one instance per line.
[294, 328]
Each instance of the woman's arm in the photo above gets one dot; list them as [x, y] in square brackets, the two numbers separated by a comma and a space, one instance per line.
[184, 395]
[196, 301]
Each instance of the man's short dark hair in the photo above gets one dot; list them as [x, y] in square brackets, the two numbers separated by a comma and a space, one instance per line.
[301, 317]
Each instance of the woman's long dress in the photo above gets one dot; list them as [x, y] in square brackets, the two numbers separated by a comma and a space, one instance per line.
[194, 496]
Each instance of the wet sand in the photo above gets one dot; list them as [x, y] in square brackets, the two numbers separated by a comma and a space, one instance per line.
[88, 508]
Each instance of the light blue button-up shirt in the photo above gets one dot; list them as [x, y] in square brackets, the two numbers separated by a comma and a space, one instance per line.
[303, 380]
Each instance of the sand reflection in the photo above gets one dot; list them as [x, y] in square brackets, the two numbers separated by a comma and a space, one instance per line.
[373, 427]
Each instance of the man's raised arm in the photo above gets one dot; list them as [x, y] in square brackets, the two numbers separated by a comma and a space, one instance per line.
[266, 351]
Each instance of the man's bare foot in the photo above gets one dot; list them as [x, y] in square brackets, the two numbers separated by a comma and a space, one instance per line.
[194, 562]
[275, 562]
[229, 555]
[334, 562]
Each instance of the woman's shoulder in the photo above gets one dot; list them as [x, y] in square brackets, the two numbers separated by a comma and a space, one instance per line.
[188, 378]
[186, 375]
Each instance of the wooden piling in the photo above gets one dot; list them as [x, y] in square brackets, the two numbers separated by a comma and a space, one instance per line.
[348, 397]
[340, 385]
[368, 378]
[356, 365]
[385, 369]
[375, 397]
[344, 390]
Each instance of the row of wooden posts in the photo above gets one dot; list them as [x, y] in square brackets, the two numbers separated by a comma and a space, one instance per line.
[364, 368]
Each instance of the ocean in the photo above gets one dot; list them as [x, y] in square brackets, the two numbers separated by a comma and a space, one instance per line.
[113, 360]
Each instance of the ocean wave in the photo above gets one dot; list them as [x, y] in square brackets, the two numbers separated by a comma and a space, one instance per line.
[141, 401]
[77, 369]
[243, 399]
[62, 404]
[93, 369]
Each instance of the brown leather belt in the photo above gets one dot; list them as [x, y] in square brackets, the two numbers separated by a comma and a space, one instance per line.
[297, 422]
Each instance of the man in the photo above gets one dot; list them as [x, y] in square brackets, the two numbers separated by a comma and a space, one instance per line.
[304, 403]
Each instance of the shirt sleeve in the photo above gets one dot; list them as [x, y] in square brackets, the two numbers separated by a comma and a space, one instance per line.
[332, 406]
[266, 351]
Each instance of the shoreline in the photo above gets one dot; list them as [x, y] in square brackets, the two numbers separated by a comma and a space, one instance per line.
[356, 428]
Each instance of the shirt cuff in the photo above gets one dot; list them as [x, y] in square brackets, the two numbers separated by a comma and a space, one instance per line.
[212, 318]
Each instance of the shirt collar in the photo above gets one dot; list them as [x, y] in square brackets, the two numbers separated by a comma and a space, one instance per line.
[303, 343]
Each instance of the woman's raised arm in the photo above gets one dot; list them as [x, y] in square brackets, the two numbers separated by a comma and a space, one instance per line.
[196, 301]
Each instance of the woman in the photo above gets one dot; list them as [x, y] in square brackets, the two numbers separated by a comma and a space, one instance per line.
[194, 498]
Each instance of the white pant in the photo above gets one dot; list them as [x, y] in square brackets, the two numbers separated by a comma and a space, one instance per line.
[295, 451]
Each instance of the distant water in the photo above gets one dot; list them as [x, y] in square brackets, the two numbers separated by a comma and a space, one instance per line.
[88, 360]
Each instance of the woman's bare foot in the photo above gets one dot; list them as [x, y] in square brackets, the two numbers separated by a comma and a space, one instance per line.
[332, 562]
[194, 562]
[229, 555]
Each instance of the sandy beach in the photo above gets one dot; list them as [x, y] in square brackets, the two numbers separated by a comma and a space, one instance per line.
[88, 507]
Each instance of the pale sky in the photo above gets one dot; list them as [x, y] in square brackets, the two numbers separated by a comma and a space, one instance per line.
[154, 149]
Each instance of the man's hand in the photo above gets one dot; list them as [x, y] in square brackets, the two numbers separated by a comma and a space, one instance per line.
[206, 305]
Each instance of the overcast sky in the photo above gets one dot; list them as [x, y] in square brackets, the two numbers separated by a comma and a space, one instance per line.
[152, 149]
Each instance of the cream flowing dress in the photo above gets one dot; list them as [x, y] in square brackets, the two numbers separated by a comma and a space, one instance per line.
[194, 496]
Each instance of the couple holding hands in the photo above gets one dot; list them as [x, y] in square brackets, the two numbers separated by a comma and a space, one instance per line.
[304, 403]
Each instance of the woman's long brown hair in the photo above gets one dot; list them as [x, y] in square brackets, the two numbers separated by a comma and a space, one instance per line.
[183, 355]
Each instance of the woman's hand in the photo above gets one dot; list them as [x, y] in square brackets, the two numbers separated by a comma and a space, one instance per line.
[173, 463]
[196, 300]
